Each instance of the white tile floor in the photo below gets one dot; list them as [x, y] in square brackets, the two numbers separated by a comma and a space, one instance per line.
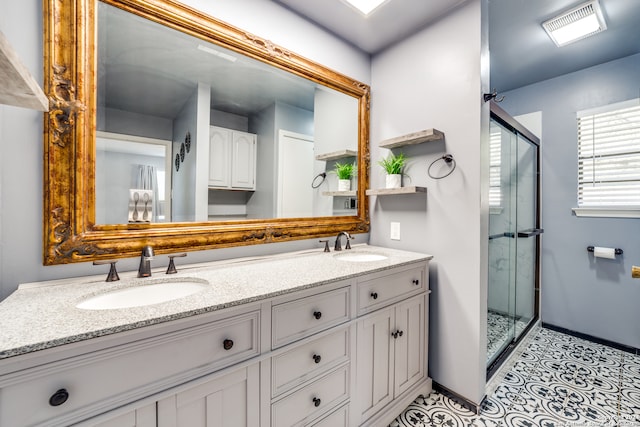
[559, 380]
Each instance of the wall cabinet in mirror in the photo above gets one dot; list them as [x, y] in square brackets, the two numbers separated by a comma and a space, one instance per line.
[160, 70]
[232, 159]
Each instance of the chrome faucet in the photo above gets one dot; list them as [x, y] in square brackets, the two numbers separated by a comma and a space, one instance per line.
[338, 246]
[145, 262]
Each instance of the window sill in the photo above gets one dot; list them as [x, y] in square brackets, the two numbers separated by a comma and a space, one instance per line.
[495, 210]
[607, 212]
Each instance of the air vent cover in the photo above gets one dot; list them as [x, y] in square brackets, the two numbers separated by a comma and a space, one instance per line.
[576, 24]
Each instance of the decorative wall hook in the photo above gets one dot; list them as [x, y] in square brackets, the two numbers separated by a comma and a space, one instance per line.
[493, 95]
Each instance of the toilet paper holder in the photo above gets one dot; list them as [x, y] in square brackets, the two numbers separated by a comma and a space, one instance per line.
[618, 251]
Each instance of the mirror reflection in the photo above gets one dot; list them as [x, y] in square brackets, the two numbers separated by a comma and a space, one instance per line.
[191, 131]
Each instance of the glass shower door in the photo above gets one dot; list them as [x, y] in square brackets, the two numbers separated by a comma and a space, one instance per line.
[502, 245]
[513, 246]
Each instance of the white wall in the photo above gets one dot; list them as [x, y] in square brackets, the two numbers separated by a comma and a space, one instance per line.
[21, 133]
[433, 79]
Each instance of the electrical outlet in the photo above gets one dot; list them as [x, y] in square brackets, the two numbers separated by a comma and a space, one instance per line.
[395, 231]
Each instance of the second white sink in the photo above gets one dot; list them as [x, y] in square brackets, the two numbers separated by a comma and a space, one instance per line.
[145, 294]
[360, 257]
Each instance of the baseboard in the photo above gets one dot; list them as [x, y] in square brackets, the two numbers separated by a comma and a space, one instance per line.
[462, 401]
[622, 347]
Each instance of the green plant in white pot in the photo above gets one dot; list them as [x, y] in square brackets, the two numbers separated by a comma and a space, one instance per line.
[345, 172]
[394, 167]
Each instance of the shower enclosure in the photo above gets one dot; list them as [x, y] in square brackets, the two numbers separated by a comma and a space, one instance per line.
[514, 229]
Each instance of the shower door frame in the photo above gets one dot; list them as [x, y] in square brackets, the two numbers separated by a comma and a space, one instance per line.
[504, 119]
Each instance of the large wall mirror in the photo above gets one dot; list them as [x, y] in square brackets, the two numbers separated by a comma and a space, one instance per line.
[171, 128]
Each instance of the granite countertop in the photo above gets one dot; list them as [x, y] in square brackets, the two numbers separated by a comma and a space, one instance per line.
[43, 315]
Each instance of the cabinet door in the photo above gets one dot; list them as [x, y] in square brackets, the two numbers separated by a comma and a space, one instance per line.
[410, 364]
[136, 417]
[228, 401]
[219, 156]
[374, 362]
[243, 162]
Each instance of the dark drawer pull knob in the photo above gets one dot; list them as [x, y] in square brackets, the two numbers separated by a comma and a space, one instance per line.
[227, 344]
[59, 397]
[316, 402]
[396, 334]
[317, 358]
[374, 295]
[416, 282]
[317, 315]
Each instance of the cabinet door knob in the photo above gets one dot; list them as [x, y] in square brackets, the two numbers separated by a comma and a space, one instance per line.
[316, 402]
[317, 315]
[59, 397]
[374, 295]
[396, 334]
[416, 282]
[227, 344]
[317, 358]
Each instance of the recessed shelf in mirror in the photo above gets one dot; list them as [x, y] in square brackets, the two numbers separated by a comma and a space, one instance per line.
[352, 193]
[391, 191]
[336, 155]
[427, 135]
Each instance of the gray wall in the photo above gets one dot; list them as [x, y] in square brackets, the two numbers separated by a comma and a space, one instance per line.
[21, 133]
[598, 298]
[433, 79]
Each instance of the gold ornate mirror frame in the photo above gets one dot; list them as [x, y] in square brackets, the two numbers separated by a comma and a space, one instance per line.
[69, 230]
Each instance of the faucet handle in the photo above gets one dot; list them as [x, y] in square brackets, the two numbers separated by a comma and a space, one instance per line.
[349, 238]
[326, 245]
[113, 274]
[171, 269]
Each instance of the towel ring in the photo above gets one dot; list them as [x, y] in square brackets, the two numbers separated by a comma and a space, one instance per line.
[448, 159]
[322, 176]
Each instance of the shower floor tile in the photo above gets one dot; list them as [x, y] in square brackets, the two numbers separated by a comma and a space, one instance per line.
[558, 381]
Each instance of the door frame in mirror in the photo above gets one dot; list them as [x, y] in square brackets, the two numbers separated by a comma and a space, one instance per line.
[70, 233]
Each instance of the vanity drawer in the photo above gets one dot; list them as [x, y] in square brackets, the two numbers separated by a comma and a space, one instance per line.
[306, 361]
[305, 316]
[96, 382]
[311, 401]
[383, 290]
[338, 418]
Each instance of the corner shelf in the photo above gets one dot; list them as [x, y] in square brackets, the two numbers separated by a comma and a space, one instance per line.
[336, 155]
[352, 193]
[427, 135]
[18, 87]
[401, 190]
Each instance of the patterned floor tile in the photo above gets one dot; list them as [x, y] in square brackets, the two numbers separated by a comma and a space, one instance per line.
[558, 381]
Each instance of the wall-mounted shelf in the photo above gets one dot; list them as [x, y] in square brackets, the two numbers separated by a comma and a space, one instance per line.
[17, 86]
[340, 193]
[336, 155]
[426, 135]
[401, 190]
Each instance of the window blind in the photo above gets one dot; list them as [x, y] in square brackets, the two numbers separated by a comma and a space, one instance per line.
[609, 156]
[495, 189]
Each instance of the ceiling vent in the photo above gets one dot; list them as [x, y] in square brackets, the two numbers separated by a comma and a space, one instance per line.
[576, 24]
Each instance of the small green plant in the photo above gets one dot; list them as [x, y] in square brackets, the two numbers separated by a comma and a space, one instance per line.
[394, 165]
[345, 170]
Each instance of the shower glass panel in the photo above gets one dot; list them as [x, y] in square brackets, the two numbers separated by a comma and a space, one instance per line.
[513, 242]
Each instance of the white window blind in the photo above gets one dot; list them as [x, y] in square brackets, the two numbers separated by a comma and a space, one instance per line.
[609, 156]
[495, 189]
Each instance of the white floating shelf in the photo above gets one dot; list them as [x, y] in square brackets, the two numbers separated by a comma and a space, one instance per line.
[340, 193]
[337, 155]
[426, 135]
[401, 190]
[17, 86]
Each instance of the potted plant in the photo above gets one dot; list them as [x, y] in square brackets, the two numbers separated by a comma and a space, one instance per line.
[345, 172]
[394, 167]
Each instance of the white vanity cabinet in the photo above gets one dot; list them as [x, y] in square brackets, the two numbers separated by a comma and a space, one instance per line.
[232, 159]
[391, 342]
[344, 353]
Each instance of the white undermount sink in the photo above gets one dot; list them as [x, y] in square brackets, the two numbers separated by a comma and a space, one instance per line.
[147, 293]
[360, 257]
